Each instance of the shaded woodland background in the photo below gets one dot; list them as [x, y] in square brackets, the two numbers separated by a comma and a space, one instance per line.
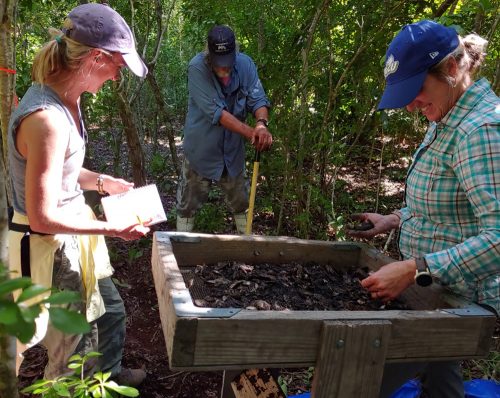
[320, 63]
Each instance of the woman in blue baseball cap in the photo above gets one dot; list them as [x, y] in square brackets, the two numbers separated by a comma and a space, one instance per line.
[54, 237]
[450, 225]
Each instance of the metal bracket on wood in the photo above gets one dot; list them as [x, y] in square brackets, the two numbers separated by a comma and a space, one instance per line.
[184, 307]
[462, 307]
[473, 310]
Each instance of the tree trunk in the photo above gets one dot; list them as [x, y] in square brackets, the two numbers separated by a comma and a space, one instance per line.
[151, 78]
[303, 94]
[8, 380]
[7, 73]
[135, 152]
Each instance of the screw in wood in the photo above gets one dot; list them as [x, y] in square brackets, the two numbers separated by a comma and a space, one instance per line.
[340, 343]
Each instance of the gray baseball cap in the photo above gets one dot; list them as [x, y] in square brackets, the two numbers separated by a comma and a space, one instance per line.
[98, 25]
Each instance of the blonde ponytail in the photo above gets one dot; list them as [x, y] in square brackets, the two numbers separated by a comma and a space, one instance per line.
[59, 55]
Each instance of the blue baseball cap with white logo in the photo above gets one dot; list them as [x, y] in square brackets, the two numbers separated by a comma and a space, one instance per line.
[416, 48]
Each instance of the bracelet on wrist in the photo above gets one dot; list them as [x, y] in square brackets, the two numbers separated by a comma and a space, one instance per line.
[100, 185]
[264, 122]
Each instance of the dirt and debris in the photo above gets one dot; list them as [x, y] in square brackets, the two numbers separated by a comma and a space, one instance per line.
[278, 287]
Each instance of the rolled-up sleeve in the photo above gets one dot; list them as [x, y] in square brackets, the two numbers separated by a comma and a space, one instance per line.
[256, 95]
[477, 167]
[204, 94]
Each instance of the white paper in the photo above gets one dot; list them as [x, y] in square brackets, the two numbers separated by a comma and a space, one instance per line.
[140, 205]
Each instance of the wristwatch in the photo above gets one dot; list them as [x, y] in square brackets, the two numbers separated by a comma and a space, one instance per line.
[422, 276]
[263, 121]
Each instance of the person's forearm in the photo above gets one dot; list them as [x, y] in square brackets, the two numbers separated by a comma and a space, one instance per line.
[88, 179]
[62, 223]
[236, 126]
[472, 260]
[262, 113]
[395, 219]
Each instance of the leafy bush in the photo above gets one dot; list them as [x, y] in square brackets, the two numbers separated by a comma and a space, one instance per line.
[78, 386]
[17, 318]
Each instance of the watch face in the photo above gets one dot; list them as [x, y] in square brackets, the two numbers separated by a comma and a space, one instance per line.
[423, 279]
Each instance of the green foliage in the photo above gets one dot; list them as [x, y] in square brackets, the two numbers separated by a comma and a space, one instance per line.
[320, 64]
[17, 317]
[488, 368]
[133, 254]
[210, 218]
[291, 380]
[78, 386]
[157, 164]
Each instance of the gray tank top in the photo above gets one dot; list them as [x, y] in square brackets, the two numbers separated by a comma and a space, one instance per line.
[70, 194]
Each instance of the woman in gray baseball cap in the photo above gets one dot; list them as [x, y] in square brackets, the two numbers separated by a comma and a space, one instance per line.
[54, 236]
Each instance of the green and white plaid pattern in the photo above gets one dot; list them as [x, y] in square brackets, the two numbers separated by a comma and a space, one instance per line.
[452, 213]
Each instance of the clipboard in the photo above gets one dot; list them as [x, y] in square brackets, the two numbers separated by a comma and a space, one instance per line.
[135, 206]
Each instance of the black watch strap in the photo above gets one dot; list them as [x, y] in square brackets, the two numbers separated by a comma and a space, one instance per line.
[421, 265]
[423, 276]
[263, 121]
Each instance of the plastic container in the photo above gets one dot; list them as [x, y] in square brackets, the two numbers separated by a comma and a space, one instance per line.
[473, 389]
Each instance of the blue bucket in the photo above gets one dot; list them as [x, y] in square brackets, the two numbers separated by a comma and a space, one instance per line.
[411, 389]
[473, 389]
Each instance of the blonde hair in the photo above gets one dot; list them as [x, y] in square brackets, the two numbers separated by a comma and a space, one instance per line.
[59, 55]
[469, 56]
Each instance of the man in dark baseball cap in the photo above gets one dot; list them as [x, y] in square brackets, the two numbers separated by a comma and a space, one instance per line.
[221, 46]
[223, 87]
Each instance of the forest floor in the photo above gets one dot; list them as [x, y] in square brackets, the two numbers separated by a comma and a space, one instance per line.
[145, 344]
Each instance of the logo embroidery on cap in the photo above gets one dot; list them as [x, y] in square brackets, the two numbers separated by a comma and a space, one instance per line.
[434, 54]
[391, 66]
[221, 47]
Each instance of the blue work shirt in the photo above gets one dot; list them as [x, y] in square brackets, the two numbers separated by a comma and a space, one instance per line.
[207, 144]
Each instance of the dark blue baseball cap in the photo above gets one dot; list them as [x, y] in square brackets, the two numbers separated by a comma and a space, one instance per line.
[221, 46]
[416, 48]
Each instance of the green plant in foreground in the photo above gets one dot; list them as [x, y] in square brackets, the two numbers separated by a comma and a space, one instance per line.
[78, 386]
[17, 318]
[486, 368]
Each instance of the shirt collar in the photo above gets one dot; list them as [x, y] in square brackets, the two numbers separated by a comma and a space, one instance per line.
[465, 104]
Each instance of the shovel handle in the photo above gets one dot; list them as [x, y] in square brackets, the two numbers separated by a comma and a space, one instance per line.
[253, 189]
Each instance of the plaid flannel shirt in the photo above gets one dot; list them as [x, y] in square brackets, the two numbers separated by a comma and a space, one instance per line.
[452, 198]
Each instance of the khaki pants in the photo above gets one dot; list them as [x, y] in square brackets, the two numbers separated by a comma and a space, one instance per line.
[79, 263]
[193, 191]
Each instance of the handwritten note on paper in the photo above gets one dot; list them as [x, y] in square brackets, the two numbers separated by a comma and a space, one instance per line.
[135, 206]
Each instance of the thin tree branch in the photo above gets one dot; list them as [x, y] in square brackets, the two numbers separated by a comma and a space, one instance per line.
[443, 7]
